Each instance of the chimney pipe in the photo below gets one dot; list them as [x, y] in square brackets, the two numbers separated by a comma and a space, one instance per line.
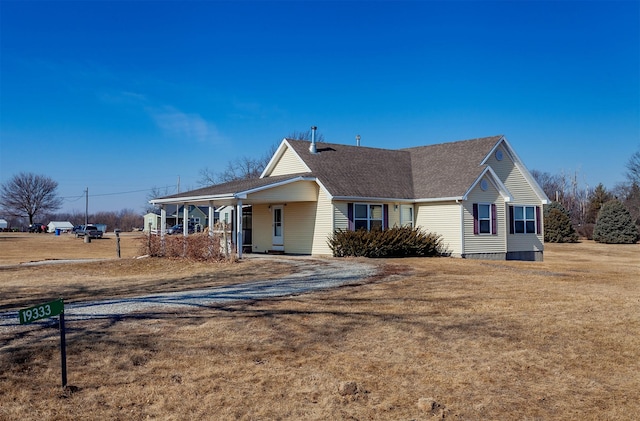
[357, 140]
[312, 147]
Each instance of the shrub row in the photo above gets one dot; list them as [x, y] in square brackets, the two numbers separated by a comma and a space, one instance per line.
[393, 242]
[200, 247]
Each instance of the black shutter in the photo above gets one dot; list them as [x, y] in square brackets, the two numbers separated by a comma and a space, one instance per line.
[385, 216]
[511, 219]
[494, 219]
[476, 228]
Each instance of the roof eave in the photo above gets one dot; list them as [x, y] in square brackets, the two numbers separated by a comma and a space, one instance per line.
[372, 199]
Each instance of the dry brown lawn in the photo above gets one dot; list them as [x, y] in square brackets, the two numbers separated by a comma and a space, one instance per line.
[463, 339]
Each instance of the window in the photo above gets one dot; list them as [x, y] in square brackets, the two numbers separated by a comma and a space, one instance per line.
[484, 218]
[525, 219]
[406, 216]
[367, 216]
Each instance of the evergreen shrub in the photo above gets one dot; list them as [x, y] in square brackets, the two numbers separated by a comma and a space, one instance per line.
[615, 225]
[392, 242]
[557, 225]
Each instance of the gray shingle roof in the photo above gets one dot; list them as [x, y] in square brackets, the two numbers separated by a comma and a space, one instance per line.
[352, 171]
[424, 172]
[433, 171]
[234, 186]
[448, 169]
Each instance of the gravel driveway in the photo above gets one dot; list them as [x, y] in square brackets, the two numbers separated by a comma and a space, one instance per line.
[310, 274]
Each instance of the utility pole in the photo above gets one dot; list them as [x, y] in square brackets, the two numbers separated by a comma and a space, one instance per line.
[86, 208]
[178, 206]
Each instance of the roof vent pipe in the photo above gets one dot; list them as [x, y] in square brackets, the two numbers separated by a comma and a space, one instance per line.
[312, 147]
[357, 140]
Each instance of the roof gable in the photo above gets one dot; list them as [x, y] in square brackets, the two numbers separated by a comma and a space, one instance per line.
[284, 161]
[447, 170]
[433, 172]
[355, 171]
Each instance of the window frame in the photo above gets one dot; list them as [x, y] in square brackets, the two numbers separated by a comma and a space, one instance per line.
[481, 219]
[492, 218]
[409, 222]
[368, 219]
[524, 222]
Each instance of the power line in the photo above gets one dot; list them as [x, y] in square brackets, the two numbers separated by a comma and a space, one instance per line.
[75, 198]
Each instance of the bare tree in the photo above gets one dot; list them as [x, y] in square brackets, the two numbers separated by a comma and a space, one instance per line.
[155, 193]
[305, 135]
[27, 195]
[247, 167]
[633, 168]
[552, 185]
[239, 169]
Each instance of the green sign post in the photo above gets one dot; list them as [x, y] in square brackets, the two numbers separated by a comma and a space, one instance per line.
[44, 311]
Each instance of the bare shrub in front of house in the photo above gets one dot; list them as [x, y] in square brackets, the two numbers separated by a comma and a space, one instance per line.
[393, 242]
[201, 247]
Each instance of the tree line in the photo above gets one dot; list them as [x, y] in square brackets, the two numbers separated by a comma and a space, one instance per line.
[609, 216]
[575, 208]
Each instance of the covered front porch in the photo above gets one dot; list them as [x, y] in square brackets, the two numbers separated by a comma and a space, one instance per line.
[281, 211]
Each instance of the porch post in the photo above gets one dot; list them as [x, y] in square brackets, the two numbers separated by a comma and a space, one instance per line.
[163, 221]
[163, 226]
[211, 217]
[185, 220]
[239, 229]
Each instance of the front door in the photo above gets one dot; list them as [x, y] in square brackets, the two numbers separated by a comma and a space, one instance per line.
[277, 229]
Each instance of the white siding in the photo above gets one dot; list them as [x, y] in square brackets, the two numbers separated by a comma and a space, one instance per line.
[289, 163]
[323, 225]
[443, 219]
[485, 243]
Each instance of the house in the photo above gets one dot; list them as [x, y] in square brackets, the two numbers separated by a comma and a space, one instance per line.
[477, 194]
[59, 226]
[3, 224]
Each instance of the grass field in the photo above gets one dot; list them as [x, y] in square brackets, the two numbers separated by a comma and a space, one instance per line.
[438, 337]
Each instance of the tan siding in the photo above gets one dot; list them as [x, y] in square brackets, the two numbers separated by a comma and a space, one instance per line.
[522, 194]
[394, 215]
[442, 219]
[323, 225]
[526, 242]
[340, 215]
[261, 233]
[289, 163]
[298, 191]
[298, 220]
[513, 179]
[484, 243]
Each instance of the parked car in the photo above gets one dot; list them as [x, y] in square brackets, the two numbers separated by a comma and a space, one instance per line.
[178, 229]
[37, 227]
[89, 230]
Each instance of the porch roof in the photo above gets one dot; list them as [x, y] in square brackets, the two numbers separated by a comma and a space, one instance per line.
[228, 193]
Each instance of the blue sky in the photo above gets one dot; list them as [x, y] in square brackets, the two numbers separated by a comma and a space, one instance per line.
[123, 96]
